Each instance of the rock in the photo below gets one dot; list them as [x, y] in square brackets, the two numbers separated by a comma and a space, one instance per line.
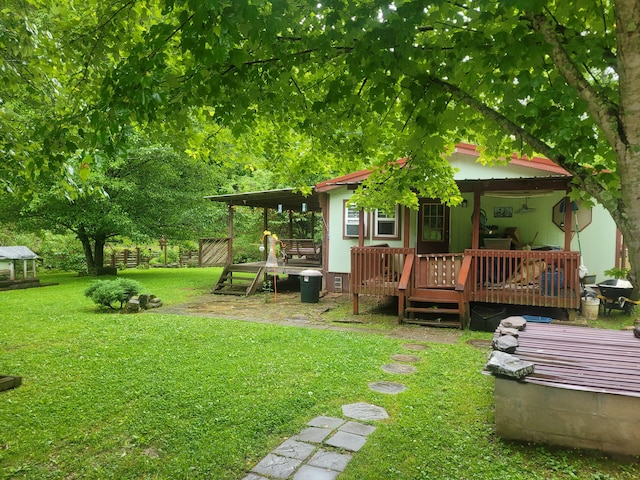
[501, 363]
[155, 302]
[519, 323]
[144, 298]
[514, 332]
[636, 331]
[133, 305]
[506, 343]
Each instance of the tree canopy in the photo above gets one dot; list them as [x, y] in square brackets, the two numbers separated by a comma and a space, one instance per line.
[369, 79]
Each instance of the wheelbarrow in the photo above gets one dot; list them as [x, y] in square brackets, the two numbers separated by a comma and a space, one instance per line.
[616, 294]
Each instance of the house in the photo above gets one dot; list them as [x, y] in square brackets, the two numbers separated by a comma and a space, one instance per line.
[512, 240]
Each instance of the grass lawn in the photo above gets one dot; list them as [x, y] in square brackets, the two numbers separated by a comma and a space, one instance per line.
[160, 396]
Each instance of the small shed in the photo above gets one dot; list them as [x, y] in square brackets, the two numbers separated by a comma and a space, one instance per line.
[9, 256]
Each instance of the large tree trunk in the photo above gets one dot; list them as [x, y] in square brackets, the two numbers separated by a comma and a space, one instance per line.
[98, 254]
[627, 150]
[86, 247]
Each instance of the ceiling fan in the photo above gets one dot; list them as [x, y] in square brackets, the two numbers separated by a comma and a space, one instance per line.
[525, 207]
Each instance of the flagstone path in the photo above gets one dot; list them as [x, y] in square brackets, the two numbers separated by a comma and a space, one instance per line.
[323, 449]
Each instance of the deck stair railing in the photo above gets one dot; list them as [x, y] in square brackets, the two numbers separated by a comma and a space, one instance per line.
[438, 293]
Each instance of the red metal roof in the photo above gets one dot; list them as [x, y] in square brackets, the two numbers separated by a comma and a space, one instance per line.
[535, 163]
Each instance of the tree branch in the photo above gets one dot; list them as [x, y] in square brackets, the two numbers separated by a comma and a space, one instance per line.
[603, 111]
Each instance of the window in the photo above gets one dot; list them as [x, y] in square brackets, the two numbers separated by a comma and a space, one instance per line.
[386, 224]
[352, 221]
[433, 222]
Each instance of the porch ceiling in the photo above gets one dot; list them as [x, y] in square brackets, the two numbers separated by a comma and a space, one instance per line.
[287, 197]
[531, 185]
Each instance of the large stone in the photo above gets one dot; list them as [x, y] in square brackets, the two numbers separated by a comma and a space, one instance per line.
[387, 387]
[518, 323]
[514, 332]
[506, 343]
[504, 364]
[133, 305]
[144, 299]
[399, 368]
[364, 411]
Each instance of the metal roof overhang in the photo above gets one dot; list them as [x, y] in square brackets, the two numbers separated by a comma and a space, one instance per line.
[289, 198]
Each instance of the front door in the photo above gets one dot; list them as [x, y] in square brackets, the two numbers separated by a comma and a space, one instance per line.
[433, 227]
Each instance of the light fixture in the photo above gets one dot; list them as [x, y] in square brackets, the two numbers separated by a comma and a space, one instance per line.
[304, 207]
[279, 208]
[465, 203]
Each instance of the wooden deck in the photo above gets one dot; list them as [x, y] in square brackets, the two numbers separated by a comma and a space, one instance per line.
[584, 393]
[427, 283]
[246, 278]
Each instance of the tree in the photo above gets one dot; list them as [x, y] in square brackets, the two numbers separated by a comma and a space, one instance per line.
[380, 79]
[553, 78]
[150, 192]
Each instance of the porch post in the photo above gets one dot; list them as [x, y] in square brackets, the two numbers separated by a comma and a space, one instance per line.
[567, 223]
[290, 224]
[230, 235]
[475, 238]
[265, 224]
[361, 228]
[407, 226]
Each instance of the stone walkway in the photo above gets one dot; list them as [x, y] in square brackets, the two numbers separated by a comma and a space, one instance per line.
[323, 449]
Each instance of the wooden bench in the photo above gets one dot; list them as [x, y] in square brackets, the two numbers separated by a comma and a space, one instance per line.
[301, 247]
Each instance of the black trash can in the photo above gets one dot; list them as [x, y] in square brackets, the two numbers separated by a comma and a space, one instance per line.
[310, 286]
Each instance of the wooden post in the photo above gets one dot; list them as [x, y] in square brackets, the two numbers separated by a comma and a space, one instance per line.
[407, 226]
[568, 227]
[475, 238]
[230, 236]
[361, 228]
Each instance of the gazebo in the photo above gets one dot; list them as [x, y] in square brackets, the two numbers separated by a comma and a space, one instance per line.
[9, 256]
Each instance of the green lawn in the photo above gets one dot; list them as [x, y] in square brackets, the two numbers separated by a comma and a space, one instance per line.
[159, 396]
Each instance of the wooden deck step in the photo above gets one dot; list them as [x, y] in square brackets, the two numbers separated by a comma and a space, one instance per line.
[434, 310]
[438, 306]
[239, 280]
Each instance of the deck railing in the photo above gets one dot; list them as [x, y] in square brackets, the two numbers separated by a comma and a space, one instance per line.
[518, 277]
[522, 277]
[377, 270]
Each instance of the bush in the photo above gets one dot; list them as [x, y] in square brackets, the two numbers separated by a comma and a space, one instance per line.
[107, 293]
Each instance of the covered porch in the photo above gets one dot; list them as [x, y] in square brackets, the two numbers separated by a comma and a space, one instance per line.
[442, 285]
[297, 254]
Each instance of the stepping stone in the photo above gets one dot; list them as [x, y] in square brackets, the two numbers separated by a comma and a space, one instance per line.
[331, 460]
[357, 428]
[347, 441]
[293, 449]
[398, 368]
[387, 387]
[253, 476]
[277, 466]
[325, 422]
[403, 357]
[364, 411]
[313, 434]
[414, 346]
[308, 472]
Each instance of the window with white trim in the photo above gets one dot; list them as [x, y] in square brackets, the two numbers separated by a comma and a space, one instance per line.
[352, 221]
[386, 224]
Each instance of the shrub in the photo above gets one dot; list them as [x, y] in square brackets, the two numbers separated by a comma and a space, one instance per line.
[107, 293]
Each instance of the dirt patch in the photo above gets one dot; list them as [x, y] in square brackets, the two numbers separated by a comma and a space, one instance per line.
[332, 312]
